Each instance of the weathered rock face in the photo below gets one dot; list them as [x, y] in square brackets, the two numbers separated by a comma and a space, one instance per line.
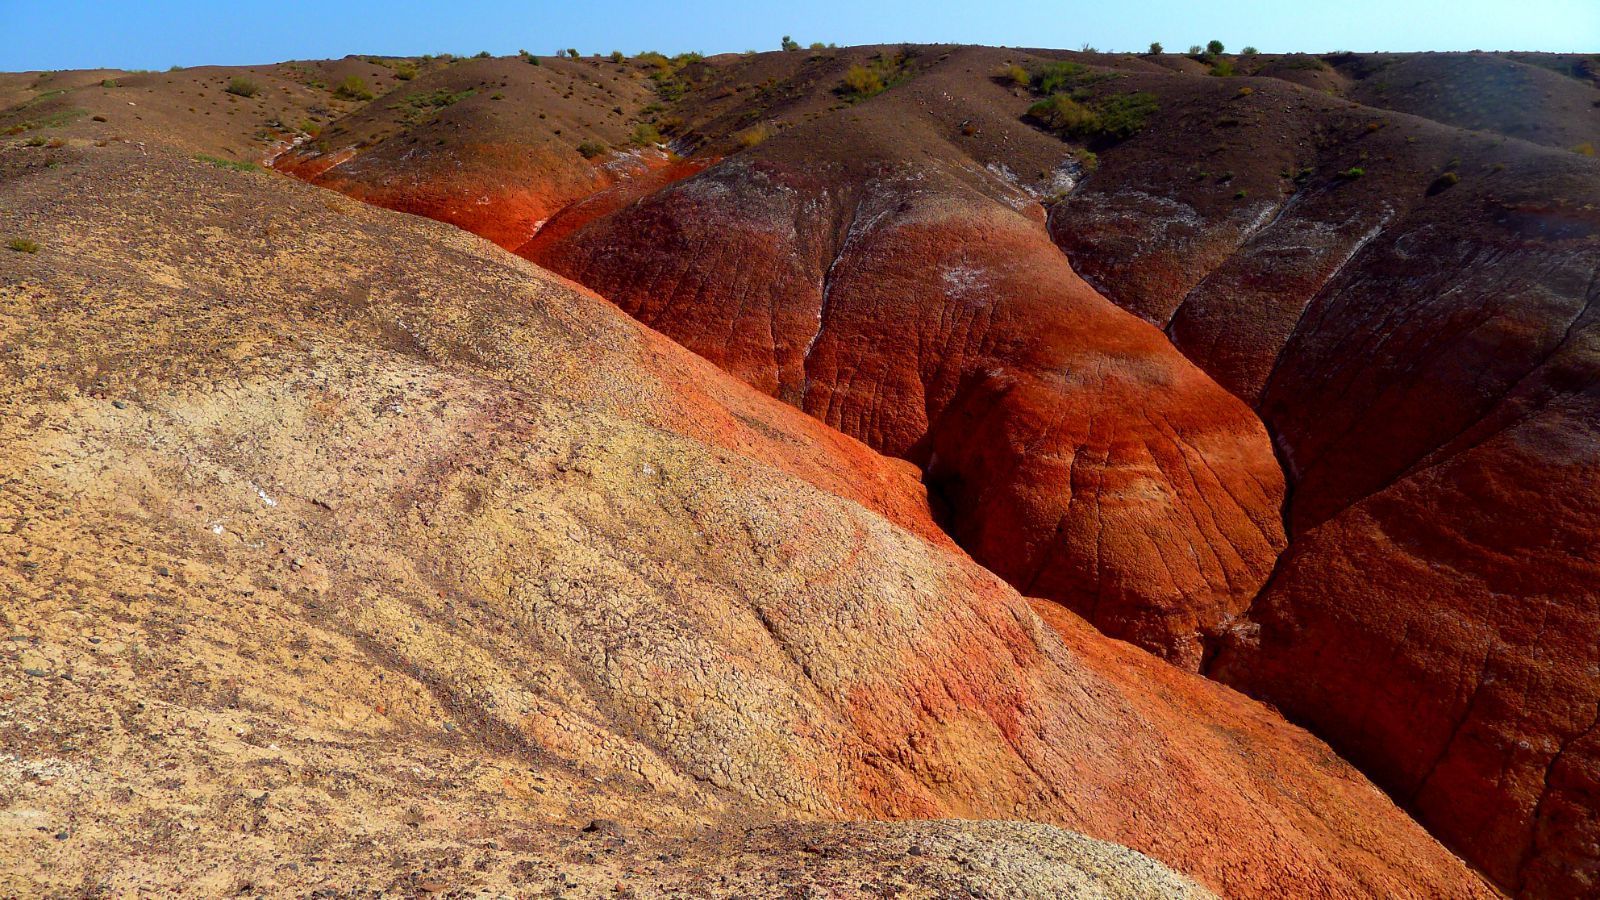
[1408, 307]
[376, 544]
[489, 145]
[1079, 456]
[1424, 353]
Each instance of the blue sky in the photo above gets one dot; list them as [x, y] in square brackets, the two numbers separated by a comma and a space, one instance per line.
[54, 34]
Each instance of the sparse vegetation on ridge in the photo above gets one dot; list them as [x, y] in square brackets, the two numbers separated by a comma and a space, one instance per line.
[883, 72]
[1071, 109]
[241, 86]
[353, 88]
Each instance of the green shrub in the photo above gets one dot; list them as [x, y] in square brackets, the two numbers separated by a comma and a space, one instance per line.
[1353, 173]
[1195, 50]
[1060, 112]
[862, 82]
[242, 87]
[482, 54]
[1124, 115]
[817, 45]
[789, 43]
[646, 135]
[1116, 117]
[23, 245]
[405, 70]
[233, 164]
[1015, 74]
[1155, 48]
[1222, 68]
[591, 149]
[618, 56]
[884, 72]
[353, 88]
[1214, 48]
[1249, 51]
[1060, 75]
[572, 52]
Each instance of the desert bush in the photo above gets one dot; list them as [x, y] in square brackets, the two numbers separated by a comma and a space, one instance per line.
[646, 135]
[789, 43]
[591, 149]
[572, 52]
[1059, 76]
[482, 54]
[1015, 74]
[1155, 48]
[23, 245]
[405, 70]
[1222, 68]
[1060, 112]
[1195, 50]
[618, 56]
[1584, 149]
[1444, 182]
[1214, 47]
[222, 163]
[755, 134]
[1124, 115]
[353, 88]
[242, 87]
[817, 45]
[1249, 51]
[1112, 118]
[1352, 173]
[862, 82]
[1245, 91]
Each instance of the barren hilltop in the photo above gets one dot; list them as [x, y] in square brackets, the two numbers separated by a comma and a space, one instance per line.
[894, 471]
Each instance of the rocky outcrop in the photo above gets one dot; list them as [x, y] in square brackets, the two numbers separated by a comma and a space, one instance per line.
[340, 533]
[1077, 455]
[1422, 349]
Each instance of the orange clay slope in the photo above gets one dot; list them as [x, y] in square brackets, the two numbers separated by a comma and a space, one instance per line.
[525, 560]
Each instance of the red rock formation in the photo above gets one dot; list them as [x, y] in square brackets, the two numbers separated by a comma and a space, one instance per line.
[1424, 353]
[525, 558]
[1310, 255]
[1080, 458]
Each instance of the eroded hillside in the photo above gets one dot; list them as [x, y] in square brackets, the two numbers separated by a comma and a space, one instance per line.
[1285, 376]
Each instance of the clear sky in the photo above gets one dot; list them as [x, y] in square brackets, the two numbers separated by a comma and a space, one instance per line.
[155, 34]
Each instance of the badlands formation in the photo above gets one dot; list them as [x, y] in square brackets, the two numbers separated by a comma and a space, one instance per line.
[879, 471]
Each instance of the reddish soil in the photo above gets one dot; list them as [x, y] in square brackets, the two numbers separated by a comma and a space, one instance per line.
[1367, 287]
